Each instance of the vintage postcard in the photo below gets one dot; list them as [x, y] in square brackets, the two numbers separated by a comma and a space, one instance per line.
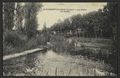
[59, 38]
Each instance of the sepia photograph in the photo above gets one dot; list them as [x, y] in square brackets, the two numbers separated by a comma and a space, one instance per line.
[59, 38]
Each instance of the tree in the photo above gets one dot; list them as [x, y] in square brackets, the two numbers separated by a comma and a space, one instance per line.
[31, 10]
[44, 28]
[19, 16]
[111, 12]
[8, 18]
[101, 23]
[8, 15]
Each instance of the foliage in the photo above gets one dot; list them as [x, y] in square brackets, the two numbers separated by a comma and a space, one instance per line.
[31, 10]
[8, 15]
[101, 23]
[19, 16]
[13, 38]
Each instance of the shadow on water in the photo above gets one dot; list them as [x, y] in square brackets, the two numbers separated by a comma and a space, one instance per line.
[41, 62]
[17, 66]
[31, 58]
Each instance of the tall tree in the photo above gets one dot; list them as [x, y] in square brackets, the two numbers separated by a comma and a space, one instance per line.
[111, 11]
[19, 15]
[31, 10]
[8, 15]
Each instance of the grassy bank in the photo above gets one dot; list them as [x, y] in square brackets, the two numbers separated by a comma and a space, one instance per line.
[15, 42]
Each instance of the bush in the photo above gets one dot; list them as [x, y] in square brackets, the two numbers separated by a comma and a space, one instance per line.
[59, 43]
[12, 38]
[42, 39]
[56, 38]
[13, 42]
[32, 43]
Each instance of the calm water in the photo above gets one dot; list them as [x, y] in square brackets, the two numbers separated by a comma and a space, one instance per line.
[51, 64]
[19, 66]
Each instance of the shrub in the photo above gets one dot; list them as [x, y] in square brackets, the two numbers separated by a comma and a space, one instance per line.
[13, 42]
[55, 38]
[59, 43]
[13, 39]
[62, 44]
[42, 39]
[32, 43]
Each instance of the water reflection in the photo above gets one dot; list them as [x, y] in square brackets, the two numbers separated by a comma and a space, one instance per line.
[13, 66]
[52, 64]
[20, 65]
[30, 60]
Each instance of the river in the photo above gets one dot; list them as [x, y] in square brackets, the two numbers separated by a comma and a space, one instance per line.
[53, 64]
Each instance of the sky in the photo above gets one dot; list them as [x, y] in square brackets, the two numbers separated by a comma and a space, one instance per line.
[52, 12]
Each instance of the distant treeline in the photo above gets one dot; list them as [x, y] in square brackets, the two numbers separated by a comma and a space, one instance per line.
[101, 23]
